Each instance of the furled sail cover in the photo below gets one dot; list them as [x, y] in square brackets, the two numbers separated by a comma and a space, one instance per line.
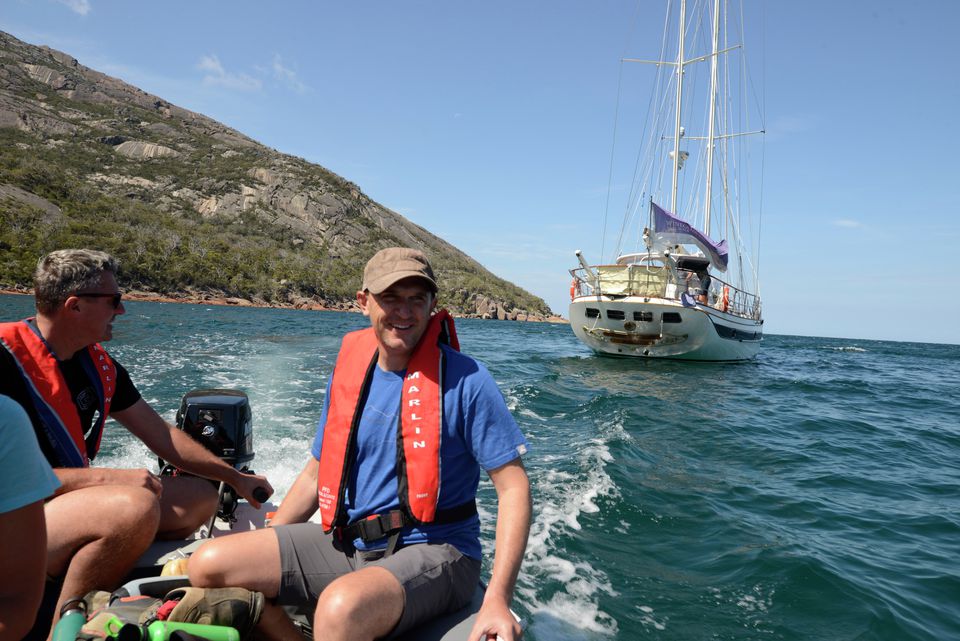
[671, 230]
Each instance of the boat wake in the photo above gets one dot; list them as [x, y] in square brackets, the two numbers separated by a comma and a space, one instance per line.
[562, 588]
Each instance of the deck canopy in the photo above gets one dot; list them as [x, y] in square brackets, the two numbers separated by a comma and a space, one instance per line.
[693, 263]
[670, 230]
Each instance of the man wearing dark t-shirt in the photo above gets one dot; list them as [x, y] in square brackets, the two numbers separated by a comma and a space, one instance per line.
[85, 396]
[101, 519]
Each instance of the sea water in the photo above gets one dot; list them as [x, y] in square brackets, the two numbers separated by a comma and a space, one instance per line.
[813, 493]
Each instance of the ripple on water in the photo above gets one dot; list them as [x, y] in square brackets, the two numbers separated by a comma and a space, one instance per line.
[810, 494]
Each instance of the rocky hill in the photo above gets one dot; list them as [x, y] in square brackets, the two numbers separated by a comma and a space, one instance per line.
[194, 209]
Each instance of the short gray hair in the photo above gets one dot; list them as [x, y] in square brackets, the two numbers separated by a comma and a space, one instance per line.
[64, 272]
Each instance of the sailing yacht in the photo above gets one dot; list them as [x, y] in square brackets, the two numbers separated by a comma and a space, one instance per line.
[684, 283]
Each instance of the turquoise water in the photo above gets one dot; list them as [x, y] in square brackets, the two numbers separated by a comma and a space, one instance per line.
[811, 494]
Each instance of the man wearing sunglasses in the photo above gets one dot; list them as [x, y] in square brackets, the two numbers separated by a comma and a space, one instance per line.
[101, 519]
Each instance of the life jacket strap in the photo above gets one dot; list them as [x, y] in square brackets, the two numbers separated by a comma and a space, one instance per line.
[377, 526]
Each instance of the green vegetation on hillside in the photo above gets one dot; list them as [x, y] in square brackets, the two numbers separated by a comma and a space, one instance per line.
[160, 252]
[250, 256]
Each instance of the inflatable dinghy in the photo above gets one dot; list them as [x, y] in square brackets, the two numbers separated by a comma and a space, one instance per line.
[221, 421]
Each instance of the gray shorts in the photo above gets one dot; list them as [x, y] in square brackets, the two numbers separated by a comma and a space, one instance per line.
[436, 577]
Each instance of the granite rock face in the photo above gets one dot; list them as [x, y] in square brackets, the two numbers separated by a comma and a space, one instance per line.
[177, 161]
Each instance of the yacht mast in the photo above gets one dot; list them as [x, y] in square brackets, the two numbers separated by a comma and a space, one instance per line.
[677, 128]
[712, 116]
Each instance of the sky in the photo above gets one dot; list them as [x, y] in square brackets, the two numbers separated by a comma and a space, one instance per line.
[491, 124]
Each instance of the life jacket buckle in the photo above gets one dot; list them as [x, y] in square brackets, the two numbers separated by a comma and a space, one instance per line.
[374, 527]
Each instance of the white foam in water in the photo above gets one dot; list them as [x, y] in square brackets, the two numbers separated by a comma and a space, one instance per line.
[647, 618]
[563, 497]
[757, 601]
[567, 618]
[121, 449]
[278, 461]
[530, 414]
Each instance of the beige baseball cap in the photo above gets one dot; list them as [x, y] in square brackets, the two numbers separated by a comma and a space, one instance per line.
[396, 263]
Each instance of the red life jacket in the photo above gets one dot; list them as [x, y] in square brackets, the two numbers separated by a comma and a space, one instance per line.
[51, 395]
[421, 422]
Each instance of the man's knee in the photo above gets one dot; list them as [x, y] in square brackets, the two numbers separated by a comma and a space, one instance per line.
[206, 566]
[134, 507]
[345, 613]
[370, 599]
[247, 560]
[340, 602]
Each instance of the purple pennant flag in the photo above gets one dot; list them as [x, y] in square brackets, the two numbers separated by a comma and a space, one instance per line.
[672, 229]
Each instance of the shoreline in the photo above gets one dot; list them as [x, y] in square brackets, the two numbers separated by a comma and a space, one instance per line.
[232, 301]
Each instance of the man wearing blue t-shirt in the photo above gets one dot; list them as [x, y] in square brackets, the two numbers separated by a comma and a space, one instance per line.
[407, 424]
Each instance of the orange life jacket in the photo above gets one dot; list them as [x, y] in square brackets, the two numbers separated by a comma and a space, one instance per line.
[51, 396]
[421, 422]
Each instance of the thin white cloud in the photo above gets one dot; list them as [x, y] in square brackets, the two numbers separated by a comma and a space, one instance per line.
[286, 75]
[216, 75]
[77, 6]
[211, 64]
[847, 223]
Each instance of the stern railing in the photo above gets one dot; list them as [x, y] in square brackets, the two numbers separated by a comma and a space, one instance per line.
[656, 281]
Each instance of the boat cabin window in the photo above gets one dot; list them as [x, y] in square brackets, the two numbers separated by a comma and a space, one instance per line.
[644, 317]
[671, 317]
[616, 314]
[592, 312]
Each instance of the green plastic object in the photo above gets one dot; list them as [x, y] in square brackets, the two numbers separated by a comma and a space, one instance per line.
[161, 631]
[73, 615]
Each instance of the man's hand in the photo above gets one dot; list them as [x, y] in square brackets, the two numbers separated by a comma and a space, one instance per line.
[495, 621]
[138, 477]
[247, 485]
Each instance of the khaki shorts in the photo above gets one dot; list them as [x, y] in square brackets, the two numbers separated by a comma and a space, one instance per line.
[436, 577]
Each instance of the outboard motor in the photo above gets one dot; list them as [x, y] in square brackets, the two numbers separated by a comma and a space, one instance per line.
[221, 421]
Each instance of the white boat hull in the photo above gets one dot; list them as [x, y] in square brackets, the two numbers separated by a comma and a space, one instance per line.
[663, 328]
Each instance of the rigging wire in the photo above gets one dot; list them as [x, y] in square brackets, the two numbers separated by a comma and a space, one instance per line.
[763, 146]
[647, 156]
[613, 145]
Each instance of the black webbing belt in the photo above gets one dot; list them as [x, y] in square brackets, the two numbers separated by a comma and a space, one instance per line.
[389, 524]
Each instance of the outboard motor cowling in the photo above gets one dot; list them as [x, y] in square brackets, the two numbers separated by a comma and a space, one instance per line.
[220, 419]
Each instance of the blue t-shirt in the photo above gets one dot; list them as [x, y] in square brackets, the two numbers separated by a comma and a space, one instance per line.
[478, 431]
[25, 475]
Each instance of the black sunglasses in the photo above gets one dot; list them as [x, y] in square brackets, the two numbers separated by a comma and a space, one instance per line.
[116, 297]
